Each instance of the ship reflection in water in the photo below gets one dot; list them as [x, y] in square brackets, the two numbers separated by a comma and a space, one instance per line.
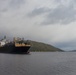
[18, 45]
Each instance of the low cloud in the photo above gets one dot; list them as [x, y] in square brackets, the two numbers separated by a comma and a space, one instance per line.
[6, 5]
[61, 15]
[24, 18]
[67, 46]
[15, 4]
[38, 11]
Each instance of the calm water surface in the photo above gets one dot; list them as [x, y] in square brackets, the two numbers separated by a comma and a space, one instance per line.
[38, 63]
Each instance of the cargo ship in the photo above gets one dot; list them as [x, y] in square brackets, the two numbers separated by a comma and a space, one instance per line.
[18, 45]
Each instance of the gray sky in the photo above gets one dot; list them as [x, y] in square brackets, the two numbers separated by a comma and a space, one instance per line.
[49, 21]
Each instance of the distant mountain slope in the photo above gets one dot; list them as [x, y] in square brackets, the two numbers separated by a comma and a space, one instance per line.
[72, 51]
[38, 46]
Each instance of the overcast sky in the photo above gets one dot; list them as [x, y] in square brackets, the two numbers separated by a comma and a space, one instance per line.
[48, 21]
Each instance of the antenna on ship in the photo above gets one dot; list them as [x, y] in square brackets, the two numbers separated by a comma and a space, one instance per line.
[14, 39]
[4, 37]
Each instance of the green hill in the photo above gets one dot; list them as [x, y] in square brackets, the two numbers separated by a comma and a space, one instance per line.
[42, 47]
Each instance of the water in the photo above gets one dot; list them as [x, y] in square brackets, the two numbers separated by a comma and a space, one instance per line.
[38, 63]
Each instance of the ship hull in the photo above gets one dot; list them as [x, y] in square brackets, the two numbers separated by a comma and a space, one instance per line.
[13, 49]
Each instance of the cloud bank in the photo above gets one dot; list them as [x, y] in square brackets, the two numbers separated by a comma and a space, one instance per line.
[48, 21]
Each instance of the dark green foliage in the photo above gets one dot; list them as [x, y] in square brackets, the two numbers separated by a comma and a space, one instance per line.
[41, 47]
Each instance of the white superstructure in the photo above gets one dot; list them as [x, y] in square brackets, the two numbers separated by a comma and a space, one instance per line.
[3, 41]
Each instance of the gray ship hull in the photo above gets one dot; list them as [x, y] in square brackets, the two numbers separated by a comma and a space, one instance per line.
[10, 48]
